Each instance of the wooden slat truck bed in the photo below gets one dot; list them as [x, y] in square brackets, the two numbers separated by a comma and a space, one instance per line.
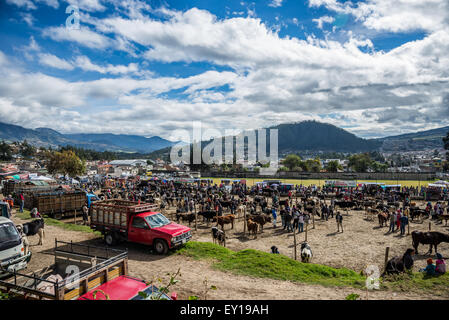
[81, 267]
[116, 213]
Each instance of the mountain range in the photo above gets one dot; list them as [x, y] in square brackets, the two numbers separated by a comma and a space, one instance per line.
[292, 137]
[100, 142]
[429, 139]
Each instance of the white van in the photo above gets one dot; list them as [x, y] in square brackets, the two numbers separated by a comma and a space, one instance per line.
[12, 253]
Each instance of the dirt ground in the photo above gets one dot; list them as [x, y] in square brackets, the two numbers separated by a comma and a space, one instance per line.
[362, 243]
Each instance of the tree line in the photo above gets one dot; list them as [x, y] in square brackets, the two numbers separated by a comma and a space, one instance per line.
[361, 162]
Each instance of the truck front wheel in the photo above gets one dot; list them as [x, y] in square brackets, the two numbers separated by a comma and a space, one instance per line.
[110, 240]
[160, 246]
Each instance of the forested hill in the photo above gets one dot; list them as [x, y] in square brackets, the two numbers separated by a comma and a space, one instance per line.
[317, 136]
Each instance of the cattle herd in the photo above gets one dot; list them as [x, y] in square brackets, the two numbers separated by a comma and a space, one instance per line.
[220, 207]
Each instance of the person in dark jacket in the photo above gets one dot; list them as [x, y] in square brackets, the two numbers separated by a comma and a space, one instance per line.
[404, 222]
[288, 220]
[339, 219]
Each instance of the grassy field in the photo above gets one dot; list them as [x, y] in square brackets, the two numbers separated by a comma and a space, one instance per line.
[58, 223]
[265, 265]
[279, 267]
[321, 182]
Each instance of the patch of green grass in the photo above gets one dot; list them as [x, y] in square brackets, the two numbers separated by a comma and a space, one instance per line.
[70, 226]
[266, 265]
[25, 215]
[418, 282]
[352, 296]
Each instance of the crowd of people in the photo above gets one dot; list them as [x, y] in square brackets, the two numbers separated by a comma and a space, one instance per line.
[291, 206]
[207, 196]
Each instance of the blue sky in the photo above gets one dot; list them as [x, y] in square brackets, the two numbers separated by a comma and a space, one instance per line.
[376, 67]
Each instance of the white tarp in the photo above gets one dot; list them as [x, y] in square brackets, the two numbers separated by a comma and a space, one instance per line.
[434, 185]
[40, 178]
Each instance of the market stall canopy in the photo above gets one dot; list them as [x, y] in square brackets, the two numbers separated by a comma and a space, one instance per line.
[38, 183]
[41, 178]
[434, 185]
[441, 182]
[341, 183]
[372, 183]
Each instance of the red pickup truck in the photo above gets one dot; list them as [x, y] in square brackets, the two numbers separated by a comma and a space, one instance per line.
[126, 288]
[120, 220]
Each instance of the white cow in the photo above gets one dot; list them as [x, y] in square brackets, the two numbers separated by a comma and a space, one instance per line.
[306, 253]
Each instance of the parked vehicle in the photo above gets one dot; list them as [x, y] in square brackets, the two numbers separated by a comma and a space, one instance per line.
[56, 204]
[91, 198]
[77, 269]
[4, 211]
[12, 251]
[126, 288]
[285, 188]
[14, 187]
[120, 220]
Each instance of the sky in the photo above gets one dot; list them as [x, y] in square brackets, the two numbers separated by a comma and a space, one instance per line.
[373, 67]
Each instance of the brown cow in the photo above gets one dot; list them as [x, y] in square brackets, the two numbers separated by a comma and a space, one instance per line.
[383, 218]
[444, 217]
[228, 219]
[252, 227]
[260, 219]
[370, 213]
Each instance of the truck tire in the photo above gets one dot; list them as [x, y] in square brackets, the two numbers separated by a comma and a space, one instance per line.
[110, 239]
[160, 246]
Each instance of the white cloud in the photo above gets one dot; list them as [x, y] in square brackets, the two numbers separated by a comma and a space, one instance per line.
[83, 36]
[3, 59]
[54, 62]
[27, 4]
[274, 79]
[32, 4]
[324, 19]
[275, 3]
[87, 5]
[85, 64]
[394, 16]
[28, 18]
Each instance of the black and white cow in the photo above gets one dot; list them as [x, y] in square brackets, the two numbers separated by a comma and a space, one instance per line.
[35, 227]
[218, 236]
[306, 252]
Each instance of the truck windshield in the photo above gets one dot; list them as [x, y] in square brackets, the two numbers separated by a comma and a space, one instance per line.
[8, 232]
[9, 237]
[157, 220]
[152, 293]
